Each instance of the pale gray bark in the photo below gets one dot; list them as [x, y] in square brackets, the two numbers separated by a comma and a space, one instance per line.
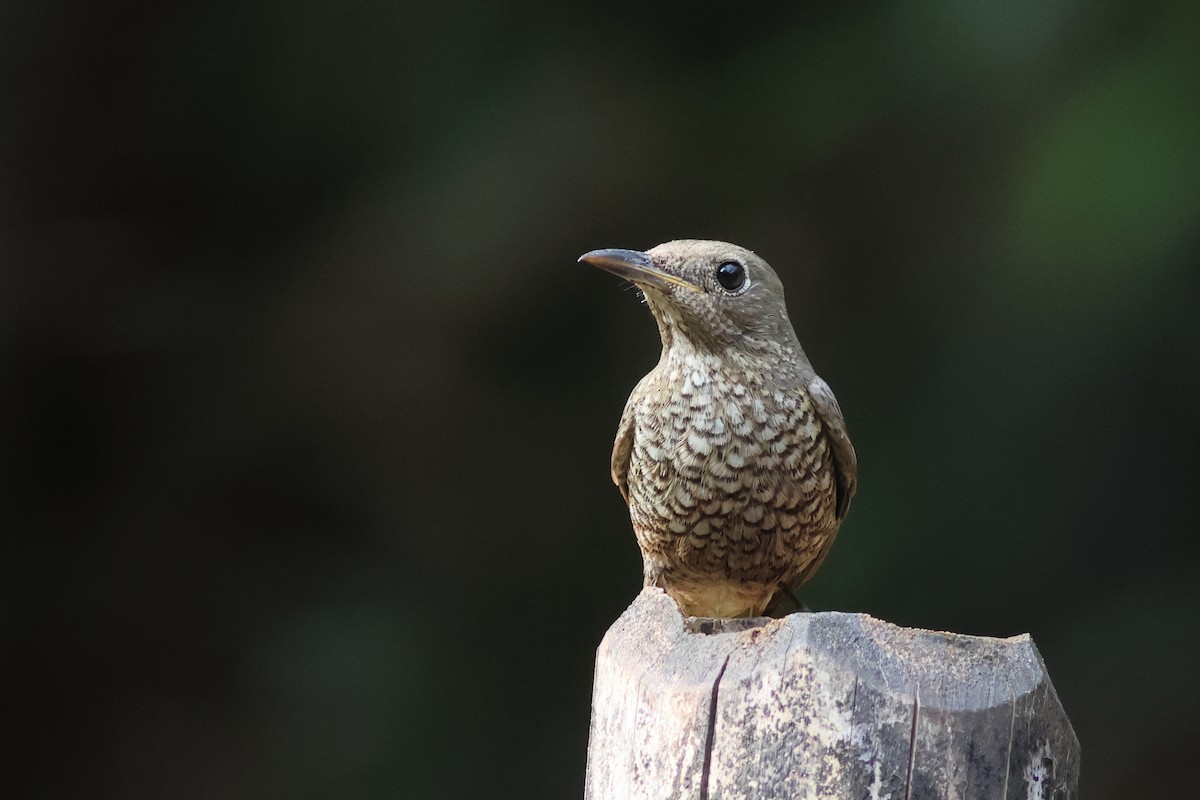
[828, 705]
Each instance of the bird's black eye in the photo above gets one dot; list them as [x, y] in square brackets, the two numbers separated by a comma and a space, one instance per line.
[731, 275]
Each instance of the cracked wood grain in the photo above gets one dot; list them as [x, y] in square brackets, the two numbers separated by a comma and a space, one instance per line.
[712, 730]
[827, 705]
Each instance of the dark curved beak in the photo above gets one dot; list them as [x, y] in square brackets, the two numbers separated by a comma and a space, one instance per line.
[636, 266]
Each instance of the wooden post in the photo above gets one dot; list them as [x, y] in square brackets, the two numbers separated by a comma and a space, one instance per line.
[829, 705]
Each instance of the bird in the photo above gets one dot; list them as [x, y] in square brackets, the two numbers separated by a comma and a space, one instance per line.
[732, 453]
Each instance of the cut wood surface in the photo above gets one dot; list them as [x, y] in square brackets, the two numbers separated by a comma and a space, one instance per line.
[821, 705]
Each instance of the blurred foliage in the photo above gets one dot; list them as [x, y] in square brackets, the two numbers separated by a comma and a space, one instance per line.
[307, 405]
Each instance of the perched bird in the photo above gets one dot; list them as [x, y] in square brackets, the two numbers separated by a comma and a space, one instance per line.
[732, 453]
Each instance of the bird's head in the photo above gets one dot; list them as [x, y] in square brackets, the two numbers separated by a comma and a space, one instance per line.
[715, 295]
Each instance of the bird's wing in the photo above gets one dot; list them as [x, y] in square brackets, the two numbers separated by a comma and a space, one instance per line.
[622, 450]
[845, 471]
[845, 462]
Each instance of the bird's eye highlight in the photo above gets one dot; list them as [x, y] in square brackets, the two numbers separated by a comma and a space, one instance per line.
[731, 275]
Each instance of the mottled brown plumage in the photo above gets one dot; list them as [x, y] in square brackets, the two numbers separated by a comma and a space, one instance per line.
[732, 453]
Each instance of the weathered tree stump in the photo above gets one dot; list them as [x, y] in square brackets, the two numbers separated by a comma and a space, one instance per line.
[829, 705]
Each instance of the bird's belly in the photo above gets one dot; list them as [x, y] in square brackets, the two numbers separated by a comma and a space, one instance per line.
[723, 518]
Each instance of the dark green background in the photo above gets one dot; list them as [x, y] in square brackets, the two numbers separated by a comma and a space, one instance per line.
[307, 406]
